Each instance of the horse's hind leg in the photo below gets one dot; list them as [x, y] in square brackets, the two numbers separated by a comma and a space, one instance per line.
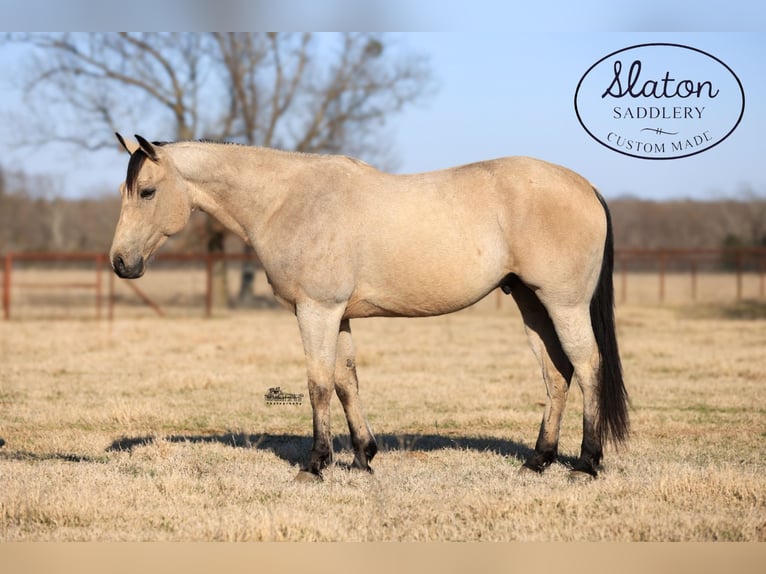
[556, 369]
[575, 331]
[347, 389]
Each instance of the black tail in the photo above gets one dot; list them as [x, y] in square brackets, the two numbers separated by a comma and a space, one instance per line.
[613, 397]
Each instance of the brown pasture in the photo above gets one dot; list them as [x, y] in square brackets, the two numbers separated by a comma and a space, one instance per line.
[148, 428]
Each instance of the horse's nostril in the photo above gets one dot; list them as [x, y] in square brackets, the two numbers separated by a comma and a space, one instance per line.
[119, 266]
[125, 269]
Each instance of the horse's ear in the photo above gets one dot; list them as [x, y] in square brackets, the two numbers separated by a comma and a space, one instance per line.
[130, 147]
[147, 148]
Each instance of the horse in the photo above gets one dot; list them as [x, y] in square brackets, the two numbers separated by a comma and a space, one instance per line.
[341, 240]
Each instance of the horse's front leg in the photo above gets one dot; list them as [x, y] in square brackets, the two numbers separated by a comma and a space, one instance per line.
[347, 388]
[319, 324]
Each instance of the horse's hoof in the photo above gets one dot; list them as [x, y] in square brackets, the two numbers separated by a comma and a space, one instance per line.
[581, 476]
[306, 476]
[526, 471]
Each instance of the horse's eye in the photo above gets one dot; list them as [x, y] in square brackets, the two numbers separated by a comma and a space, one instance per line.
[147, 193]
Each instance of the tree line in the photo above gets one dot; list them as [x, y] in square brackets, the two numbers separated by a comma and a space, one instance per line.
[738, 221]
[33, 219]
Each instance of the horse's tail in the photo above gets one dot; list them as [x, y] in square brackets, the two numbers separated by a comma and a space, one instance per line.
[612, 420]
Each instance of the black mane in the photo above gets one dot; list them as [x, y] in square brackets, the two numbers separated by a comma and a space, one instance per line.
[137, 159]
[139, 156]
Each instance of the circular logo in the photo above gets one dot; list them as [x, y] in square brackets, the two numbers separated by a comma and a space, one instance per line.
[659, 101]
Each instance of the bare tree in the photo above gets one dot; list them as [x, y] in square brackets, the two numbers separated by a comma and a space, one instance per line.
[305, 92]
[94, 83]
[317, 94]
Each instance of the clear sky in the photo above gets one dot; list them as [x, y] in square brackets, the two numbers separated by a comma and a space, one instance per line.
[506, 79]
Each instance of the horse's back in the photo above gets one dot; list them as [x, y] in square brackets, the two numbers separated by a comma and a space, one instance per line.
[521, 203]
[439, 241]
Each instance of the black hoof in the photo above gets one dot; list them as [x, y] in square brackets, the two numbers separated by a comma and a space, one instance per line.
[583, 468]
[361, 465]
[538, 462]
[363, 457]
[371, 451]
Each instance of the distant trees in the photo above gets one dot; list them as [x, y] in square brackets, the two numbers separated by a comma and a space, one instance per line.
[690, 224]
[33, 220]
[754, 230]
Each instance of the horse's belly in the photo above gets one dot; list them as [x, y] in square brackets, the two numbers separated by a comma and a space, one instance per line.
[422, 288]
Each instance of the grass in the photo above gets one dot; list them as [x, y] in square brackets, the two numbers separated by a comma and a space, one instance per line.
[156, 429]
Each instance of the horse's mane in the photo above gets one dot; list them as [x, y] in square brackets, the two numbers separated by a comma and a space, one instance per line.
[137, 159]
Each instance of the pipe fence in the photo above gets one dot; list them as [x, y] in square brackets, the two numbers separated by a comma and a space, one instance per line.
[734, 265]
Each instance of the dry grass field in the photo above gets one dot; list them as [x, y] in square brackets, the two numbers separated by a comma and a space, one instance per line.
[156, 429]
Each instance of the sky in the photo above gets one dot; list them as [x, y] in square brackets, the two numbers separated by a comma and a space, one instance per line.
[514, 95]
[506, 76]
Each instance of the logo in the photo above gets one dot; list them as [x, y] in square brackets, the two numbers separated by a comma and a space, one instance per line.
[659, 101]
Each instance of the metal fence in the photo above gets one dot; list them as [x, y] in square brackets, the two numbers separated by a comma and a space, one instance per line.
[83, 285]
[734, 267]
[86, 280]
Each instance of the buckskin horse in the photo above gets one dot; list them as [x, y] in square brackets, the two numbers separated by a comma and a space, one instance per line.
[340, 240]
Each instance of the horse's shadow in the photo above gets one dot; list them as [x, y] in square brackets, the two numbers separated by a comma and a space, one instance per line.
[294, 448]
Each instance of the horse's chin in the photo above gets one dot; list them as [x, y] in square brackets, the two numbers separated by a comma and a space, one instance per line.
[135, 275]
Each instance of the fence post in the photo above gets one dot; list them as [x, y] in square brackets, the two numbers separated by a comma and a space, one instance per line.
[623, 281]
[209, 285]
[99, 265]
[111, 295]
[694, 281]
[740, 259]
[662, 277]
[7, 264]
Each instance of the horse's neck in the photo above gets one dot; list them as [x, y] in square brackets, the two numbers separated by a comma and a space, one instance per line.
[234, 184]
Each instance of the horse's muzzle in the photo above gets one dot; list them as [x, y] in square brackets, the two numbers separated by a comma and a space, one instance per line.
[127, 269]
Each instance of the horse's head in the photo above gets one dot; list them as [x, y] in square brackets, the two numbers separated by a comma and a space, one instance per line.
[155, 205]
